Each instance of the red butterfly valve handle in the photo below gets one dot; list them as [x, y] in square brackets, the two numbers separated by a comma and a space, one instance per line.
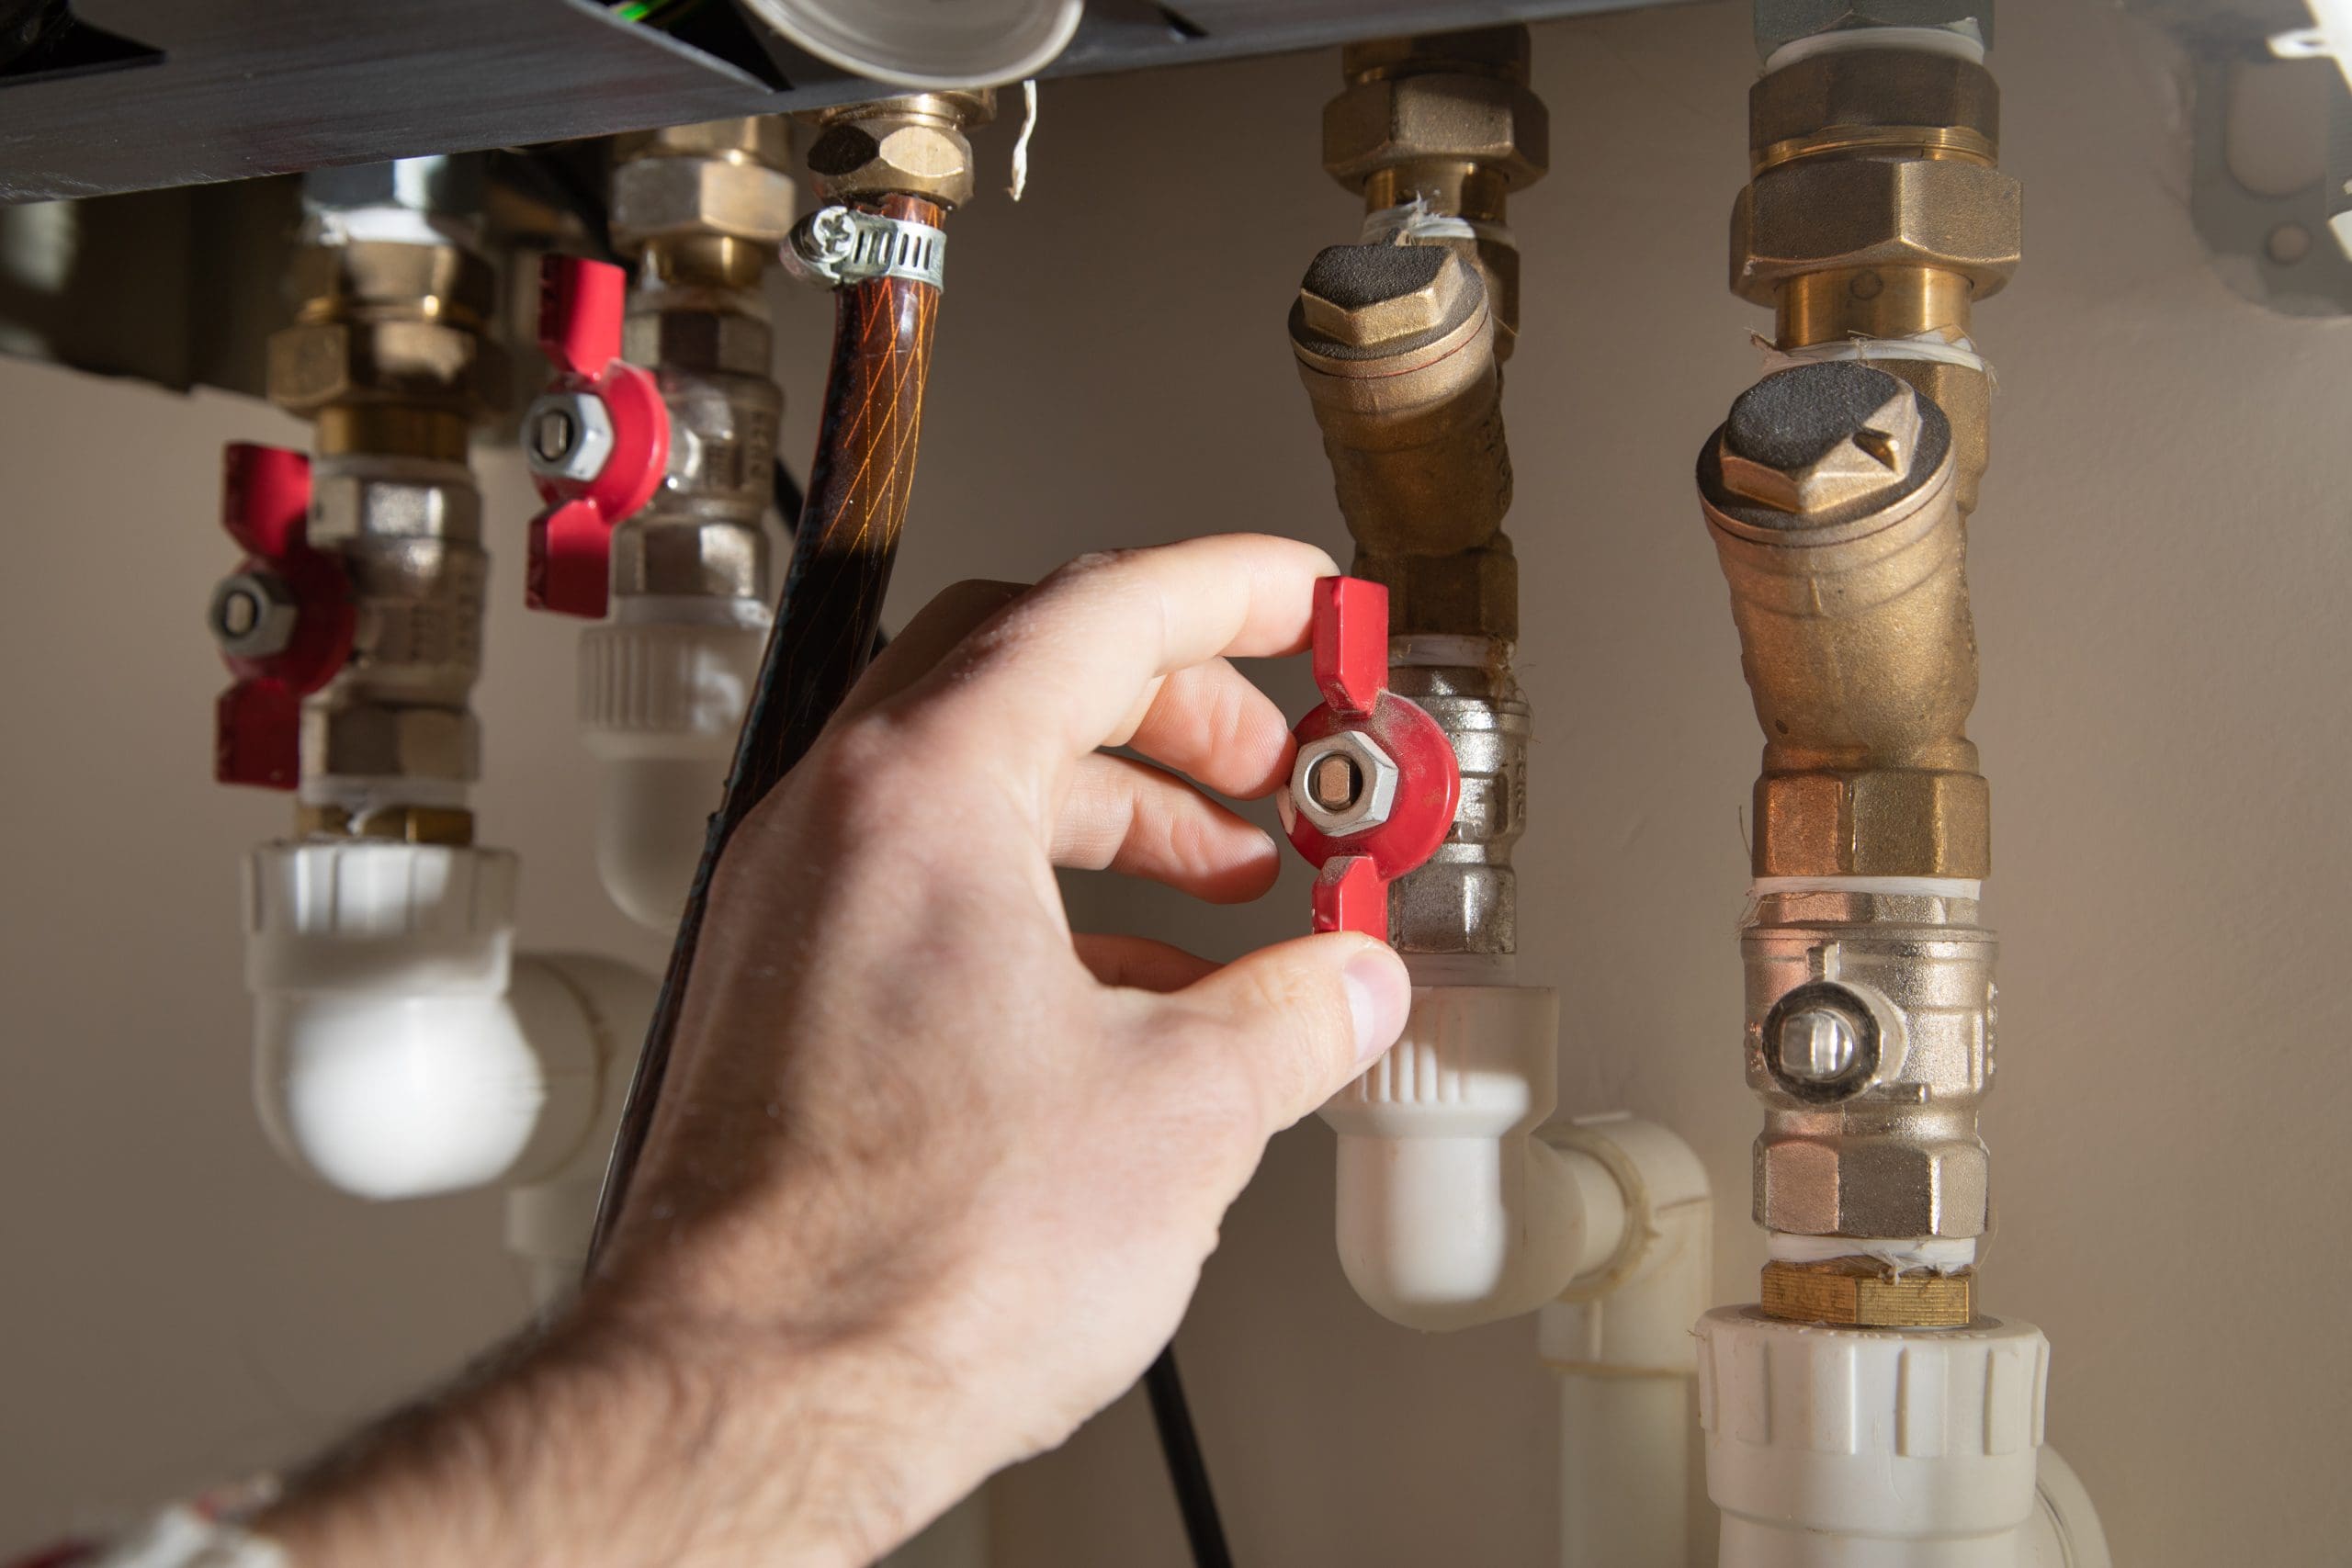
[283, 619]
[1374, 791]
[597, 440]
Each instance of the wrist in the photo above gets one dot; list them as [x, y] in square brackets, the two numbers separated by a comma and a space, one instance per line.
[605, 1443]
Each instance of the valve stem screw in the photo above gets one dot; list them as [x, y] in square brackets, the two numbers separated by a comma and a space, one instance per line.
[1335, 783]
[1816, 1045]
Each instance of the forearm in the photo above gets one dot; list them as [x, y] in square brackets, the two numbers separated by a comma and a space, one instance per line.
[593, 1447]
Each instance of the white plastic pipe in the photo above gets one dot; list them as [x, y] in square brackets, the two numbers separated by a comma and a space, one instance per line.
[662, 689]
[1620, 1338]
[1449, 1213]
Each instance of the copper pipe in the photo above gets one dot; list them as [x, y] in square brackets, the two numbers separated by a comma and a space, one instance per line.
[832, 606]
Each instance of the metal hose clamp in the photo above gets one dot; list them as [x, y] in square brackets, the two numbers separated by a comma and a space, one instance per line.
[834, 247]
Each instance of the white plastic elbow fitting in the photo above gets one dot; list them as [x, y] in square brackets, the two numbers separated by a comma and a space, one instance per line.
[398, 1049]
[1448, 1213]
[1863, 1447]
[663, 690]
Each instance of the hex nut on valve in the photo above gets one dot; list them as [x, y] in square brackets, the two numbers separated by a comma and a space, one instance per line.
[568, 435]
[1343, 784]
[253, 614]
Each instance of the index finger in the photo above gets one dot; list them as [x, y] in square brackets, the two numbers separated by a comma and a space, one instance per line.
[1057, 672]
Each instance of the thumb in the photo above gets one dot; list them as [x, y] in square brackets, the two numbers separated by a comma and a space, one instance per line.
[1308, 1015]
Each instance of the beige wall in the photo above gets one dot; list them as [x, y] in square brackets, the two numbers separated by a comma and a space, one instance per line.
[2159, 565]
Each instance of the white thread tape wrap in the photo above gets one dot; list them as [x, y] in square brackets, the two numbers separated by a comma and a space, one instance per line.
[1933, 1254]
[1865, 348]
[1416, 223]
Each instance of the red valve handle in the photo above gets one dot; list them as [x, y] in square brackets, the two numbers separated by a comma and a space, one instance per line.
[614, 434]
[266, 507]
[1350, 655]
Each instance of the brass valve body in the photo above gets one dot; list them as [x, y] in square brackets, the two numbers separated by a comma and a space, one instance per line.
[1876, 210]
[1854, 625]
[1396, 346]
[388, 356]
[1445, 120]
[704, 209]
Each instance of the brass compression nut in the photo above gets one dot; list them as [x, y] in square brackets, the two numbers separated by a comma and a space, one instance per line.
[1382, 122]
[1817, 213]
[907, 146]
[384, 322]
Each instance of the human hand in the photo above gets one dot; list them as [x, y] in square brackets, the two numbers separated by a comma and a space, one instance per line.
[932, 1179]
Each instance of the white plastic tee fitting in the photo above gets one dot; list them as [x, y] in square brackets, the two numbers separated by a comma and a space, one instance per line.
[1449, 1213]
[662, 689]
[398, 1051]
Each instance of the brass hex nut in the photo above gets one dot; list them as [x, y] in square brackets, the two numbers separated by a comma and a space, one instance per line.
[909, 146]
[1380, 123]
[1860, 1293]
[1797, 218]
[671, 198]
[1850, 1185]
[1889, 822]
[1869, 89]
[315, 363]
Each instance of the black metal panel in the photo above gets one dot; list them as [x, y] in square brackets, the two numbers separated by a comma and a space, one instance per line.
[247, 87]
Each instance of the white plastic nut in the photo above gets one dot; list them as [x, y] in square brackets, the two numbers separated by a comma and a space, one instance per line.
[1848, 1448]
[660, 703]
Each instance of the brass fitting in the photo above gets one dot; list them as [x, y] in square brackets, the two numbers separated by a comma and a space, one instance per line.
[906, 146]
[705, 203]
[387, 352]
[1860, 1292]
[704, 207]
[1876, 210]
[1445, 120]
[1831, 493]
[1395, 345]
[390, 358]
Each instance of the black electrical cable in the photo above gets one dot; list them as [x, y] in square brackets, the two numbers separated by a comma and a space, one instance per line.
[1188, 1473]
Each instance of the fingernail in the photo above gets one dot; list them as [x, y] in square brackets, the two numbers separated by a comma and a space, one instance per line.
[1379, 995]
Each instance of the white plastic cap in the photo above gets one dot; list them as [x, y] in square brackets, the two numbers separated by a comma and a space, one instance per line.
[389, 1059]
[1856, 1447]
[922, 43]
[660, 704]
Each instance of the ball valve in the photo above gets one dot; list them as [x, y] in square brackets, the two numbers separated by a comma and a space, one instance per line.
[283, 618]
[1374, 790]
[597, 440]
